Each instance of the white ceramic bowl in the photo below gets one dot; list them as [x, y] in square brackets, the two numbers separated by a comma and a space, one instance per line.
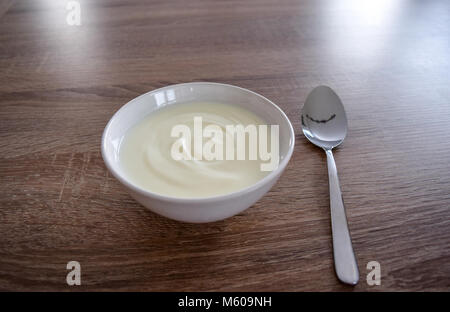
[196, 209]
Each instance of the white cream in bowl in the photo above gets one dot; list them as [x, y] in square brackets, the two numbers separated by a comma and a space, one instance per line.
[136, 142]
[147, 151]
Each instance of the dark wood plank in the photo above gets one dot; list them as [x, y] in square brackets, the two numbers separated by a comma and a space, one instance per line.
[59, 85]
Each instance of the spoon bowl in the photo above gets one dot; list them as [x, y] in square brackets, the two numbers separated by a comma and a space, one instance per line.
[324, 122]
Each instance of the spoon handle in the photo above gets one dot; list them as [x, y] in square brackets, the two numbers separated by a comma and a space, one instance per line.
[344, 257]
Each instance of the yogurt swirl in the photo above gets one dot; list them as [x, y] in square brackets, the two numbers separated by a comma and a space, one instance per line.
[145, 153]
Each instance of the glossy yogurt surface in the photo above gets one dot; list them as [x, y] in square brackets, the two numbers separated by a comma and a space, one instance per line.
[147, 159]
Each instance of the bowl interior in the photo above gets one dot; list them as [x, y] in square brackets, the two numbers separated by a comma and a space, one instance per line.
[137, 109]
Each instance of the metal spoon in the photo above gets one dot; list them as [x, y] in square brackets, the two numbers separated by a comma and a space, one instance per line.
[324, 123]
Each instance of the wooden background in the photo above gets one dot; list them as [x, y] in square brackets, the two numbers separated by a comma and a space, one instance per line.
[60, 84]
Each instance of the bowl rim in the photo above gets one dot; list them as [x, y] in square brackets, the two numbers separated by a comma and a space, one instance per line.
[125, 181]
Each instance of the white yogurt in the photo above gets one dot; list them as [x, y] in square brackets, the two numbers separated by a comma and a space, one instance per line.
[145, 153]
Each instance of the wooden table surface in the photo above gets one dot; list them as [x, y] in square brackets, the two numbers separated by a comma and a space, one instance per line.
[60, 84]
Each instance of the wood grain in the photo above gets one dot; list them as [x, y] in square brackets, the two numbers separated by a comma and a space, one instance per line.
[59, 85]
